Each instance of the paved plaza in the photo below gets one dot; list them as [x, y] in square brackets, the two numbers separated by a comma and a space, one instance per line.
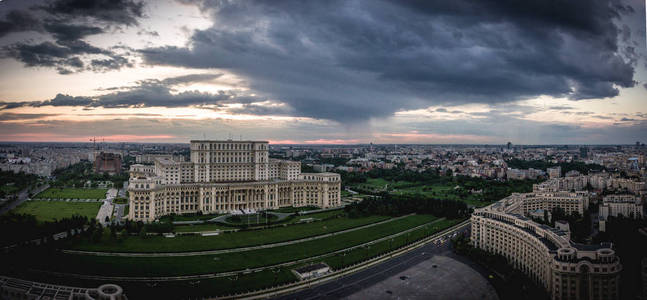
[440, 278]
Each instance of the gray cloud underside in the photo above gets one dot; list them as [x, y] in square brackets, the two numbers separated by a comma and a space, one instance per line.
[353, 60]
[155, 92]
[16, 116]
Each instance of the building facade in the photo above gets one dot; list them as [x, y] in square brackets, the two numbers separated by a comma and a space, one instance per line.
[107, 163]
[567, 270]
[629, 206]
[226, 176]
[569, 202]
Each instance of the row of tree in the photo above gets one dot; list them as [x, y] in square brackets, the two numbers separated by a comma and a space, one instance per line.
[78, 174]
[579, 166]
[17, 228]
[397, 205]
[11, 182]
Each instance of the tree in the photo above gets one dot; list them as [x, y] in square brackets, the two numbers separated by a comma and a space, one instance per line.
[98, 233]
[143, 232]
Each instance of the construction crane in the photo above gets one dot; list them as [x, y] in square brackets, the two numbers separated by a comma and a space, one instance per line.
[94, 142]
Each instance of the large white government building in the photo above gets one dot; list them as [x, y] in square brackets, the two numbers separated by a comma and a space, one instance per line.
[567, 270]
[226, 176]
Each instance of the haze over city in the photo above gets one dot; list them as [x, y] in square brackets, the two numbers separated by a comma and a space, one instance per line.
[325, 72]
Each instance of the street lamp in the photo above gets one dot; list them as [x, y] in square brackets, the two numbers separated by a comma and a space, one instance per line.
[276, 272]
[233, 279]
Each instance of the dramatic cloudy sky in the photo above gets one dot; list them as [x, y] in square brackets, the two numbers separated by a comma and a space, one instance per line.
[460, 71]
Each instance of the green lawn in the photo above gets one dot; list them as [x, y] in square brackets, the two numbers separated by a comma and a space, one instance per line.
[227, 285]
[295, 219]
[168, 266]
[50, 210]
[72, 193]
[291, 209]
[224, 240]
[201, 227]
[360, 254]
[120, 201]
[255, 219]
[188, 217]
[8, 189]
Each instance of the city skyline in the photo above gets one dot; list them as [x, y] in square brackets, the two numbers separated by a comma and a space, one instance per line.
[324, 73]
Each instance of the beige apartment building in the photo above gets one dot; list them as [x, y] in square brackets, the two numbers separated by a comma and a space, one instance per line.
[567, 270]
[626, 205]
[568, 201]
[226, 176]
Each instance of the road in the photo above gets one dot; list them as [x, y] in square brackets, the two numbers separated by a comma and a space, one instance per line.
[22, 197]
[345, 286]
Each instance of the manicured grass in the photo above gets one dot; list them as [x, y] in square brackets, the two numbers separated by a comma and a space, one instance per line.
[189, 217]
[319, 215]
[225, 240]
[120, 201]
[72, 193]
[254, 219]
[290, 209]
[50, 210]
[201, 227]
[8, 189]
[295, 219]
[168, 266]
[197, 289]
[360, 254]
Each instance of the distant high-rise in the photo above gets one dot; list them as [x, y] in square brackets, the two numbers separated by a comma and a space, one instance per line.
[584, 152]
[107, 163]
[509, 145]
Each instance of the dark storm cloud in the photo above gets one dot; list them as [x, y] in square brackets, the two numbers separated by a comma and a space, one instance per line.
[65, 56]
[262, 110]
[152, 93]
[560, 107]
[124, 12]
[191, 78]
[67, 32]
[18, 117]
[18, 21]
[353, 60]
[69, 22]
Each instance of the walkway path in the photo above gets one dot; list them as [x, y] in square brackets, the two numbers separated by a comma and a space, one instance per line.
[233, 250]
[107, 207]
